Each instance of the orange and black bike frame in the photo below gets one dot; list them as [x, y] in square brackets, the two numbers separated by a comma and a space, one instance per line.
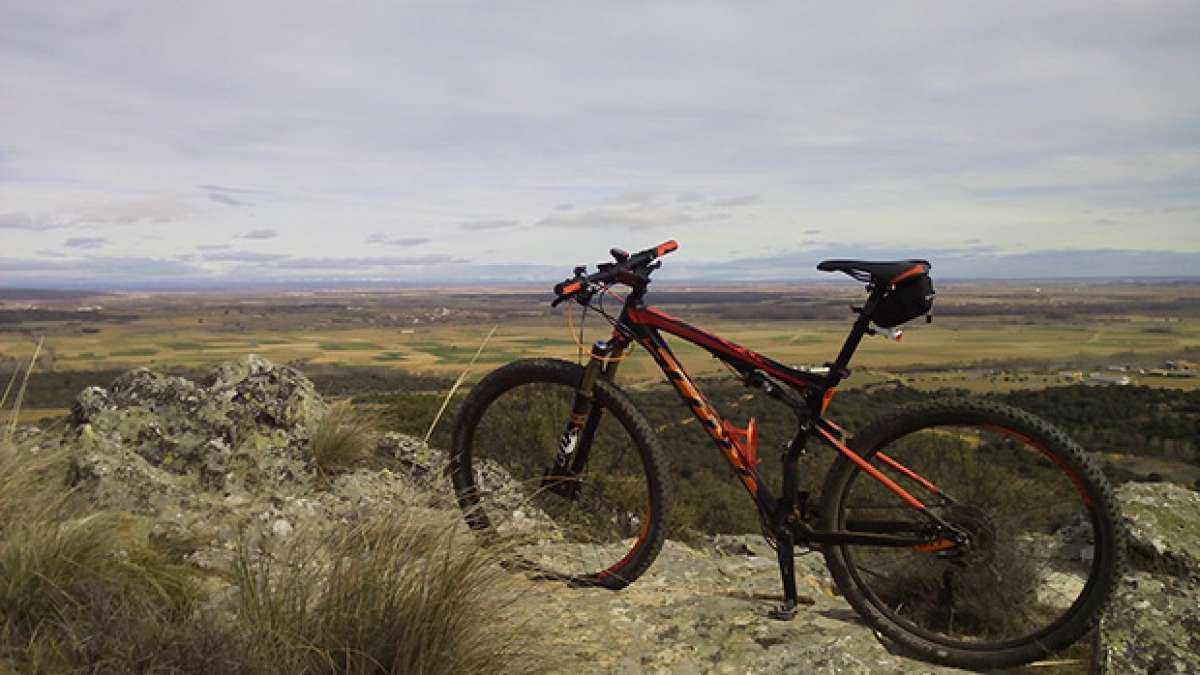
[808, 395]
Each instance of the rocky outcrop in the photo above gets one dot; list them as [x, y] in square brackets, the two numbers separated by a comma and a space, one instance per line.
[226, 461]
[245, 427]
[1154, 623]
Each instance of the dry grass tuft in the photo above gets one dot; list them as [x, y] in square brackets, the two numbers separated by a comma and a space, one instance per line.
[78, 589]
[396, 594]
[343, 439]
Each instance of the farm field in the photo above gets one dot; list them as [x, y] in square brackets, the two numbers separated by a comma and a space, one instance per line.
[984, 337]
[948, 343]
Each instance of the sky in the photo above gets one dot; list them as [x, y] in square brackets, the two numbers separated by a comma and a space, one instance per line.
[212, 144]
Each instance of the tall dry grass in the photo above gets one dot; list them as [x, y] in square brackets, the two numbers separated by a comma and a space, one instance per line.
[89, 591]
[397, 593]
[81, 589]
[343, 439]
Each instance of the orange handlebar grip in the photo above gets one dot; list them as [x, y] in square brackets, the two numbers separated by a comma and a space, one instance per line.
[666, 247]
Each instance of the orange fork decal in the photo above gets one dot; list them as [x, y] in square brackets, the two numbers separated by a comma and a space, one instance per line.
[704, 411]
[872, 471]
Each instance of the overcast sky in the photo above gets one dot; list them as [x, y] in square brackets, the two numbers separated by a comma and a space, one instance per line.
[210, 143]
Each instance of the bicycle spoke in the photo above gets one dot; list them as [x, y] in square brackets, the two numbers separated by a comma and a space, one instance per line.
[1016, 586]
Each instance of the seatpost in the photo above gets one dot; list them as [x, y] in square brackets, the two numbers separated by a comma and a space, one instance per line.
[839, 370]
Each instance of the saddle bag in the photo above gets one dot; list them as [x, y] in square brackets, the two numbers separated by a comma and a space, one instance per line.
[908, 300]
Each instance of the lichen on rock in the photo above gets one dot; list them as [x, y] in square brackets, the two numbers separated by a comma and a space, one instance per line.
[1153, 624]
[245, 427]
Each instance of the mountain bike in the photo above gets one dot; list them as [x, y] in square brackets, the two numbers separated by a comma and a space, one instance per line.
[968, 531]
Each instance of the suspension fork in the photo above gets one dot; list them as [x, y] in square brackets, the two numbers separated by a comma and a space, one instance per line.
[575, 442]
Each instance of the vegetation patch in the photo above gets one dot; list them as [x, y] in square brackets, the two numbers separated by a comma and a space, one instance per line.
[343, 439]
[452, 354]
[349, 346]
[390, 356]
[545, 342]
[184, 346]
[141, 351]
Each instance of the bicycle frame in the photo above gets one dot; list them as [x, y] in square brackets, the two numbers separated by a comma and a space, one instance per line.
[808, 395]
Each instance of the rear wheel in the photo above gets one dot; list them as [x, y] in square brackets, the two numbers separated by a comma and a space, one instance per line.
[609, 526]
[1045, 547]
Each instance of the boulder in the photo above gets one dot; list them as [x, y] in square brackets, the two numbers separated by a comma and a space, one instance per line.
[1153, 625]
[1163, 520]
[245, 428]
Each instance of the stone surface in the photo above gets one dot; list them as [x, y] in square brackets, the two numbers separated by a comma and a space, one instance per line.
[226, 462]
[1153, 625]
[228, 459]
[246, 426]
[1163, 520]
[706, 612]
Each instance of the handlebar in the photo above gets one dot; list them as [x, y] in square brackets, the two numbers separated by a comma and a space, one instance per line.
[610, 272]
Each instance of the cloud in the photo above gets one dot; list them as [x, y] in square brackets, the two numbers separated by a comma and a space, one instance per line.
[972, 262]
[125, 212]
[233, 190]
[497, 224]
[264, 233]
[232, 196]
[646, 209]
[381, 238]
[153, 210]
[228, 201]
[928, 128]
[23, 221]
[742, 200]
[85, 242]
[812, 232]
[352, 266]
[213, 247]
[242, 256]
[103, 272]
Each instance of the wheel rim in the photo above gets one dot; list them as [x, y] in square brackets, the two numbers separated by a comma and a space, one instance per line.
[1032, 553]
[588, 539]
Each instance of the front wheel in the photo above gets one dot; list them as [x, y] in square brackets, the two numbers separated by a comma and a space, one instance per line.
[1044, 542]
[606, 524]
